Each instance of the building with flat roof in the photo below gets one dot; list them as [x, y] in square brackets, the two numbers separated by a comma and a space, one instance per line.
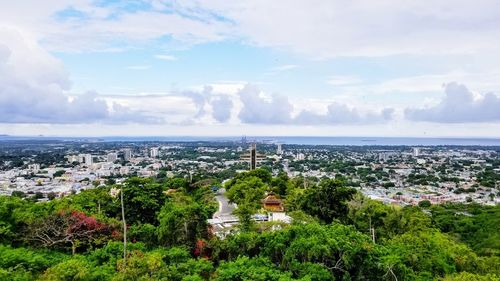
[127, 154]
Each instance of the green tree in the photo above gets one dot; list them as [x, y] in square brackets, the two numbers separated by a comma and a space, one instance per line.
[182, 222]
[97, 201]
[143, 199]
[328, 200]
[466, 276]
[249, 191]
[424, 204]
[281, 184]
[18, 193]
[145, 233]
[427, 254]
[264, 175]
[74, 269]
[244, 268]
[245, 214]
[367, 215]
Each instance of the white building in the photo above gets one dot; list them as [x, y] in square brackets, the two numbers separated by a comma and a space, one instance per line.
[88, 159]
[111, 157]
[153, 152]
[35, 168]
[127, 154]
[279, 150]
[73, 158]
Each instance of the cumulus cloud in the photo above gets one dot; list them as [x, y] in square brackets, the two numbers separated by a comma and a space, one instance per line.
[259, 110]
[278, 110]
[342, 114]
[122, 114]
[221, 108]
[34, 88]
[459, 106]
[199, 99]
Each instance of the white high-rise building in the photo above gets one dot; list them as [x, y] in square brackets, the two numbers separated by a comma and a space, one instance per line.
[72, 158]
[416, 151]
[111, 157]
[88, 159]
[153, 152]
[81, 158]
[127, 154]
[279, 151]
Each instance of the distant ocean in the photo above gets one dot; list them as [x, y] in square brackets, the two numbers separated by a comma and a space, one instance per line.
[355, 141]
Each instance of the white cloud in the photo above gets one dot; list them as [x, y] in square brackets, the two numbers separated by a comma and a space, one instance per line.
[34, 88]
[259, 110]
[459, 106]
[166, 57]
[276, 109]
[221, 108]
[321, 29]
[342, 114]
[434, 82]
[360, 28]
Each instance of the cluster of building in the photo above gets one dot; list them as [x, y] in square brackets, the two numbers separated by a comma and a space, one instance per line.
[80, 171]
[397, 175]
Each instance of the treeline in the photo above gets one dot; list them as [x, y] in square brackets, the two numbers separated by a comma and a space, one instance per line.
[336, 234]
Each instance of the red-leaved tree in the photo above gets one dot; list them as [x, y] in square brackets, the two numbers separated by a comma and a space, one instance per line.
[73, 228]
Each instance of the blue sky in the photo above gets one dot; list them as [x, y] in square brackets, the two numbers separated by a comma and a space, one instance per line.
[154, 67]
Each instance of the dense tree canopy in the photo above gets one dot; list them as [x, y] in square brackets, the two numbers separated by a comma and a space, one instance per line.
[336, 234]
[328, 200]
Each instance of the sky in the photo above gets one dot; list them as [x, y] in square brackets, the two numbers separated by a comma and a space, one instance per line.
[263, 67]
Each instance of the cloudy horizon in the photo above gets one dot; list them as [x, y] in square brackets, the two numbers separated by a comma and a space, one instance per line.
[208, 68]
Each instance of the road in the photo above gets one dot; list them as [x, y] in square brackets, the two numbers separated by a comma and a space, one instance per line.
[225, 208]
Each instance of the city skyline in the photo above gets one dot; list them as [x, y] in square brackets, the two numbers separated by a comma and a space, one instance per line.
[208, 68]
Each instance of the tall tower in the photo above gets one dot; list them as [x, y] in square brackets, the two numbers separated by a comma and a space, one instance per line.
[279, 151]
[153, 152]
[88, 159]
[416, 152]
[252, 157]
[127, 154]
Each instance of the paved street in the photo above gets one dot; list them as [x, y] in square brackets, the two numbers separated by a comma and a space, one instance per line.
[225, 208]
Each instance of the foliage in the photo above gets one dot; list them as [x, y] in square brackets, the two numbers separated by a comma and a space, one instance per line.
[143, 199]
[248, 191]
[244, 268]
[74, 229]
[478, 226]
[182, 222]
[28, 260]
[263, 174]
[427, 253]
[328, 200]
[424, 204]
[339, 249]
[336, 233]
[466, 276]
